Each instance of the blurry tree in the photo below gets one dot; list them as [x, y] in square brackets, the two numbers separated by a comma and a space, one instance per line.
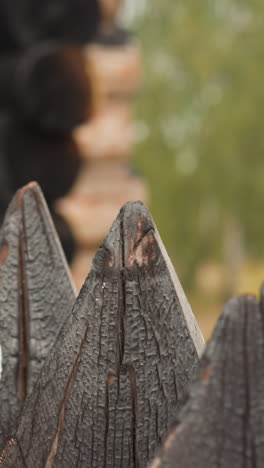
[200, 121]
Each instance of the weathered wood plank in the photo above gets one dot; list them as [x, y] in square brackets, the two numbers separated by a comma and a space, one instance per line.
[36, 296]
[111, 384]
[222, 422]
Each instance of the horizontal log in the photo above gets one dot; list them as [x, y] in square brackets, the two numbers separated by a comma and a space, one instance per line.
[48, 86]
[53, 88]
[111, 384]
[7, 41]
[7, 79]
[69, 21]
[36, 296]
[53, 161]
[222, 423]
[5, 189]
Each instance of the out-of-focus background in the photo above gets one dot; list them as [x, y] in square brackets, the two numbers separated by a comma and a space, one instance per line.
[160, 100]
[200, 119]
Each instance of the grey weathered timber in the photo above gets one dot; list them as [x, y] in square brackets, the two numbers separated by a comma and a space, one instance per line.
[110, 386]
[36, 296]
[222, 422]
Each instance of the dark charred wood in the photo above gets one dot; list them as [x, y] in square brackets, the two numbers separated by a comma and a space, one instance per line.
[52, 87]
[53, 161]
[36, 296]
[48, 86]
[222, 422]
[69, 21]
[7, 80]
[5, 189]
[111, 384]
[7, 41]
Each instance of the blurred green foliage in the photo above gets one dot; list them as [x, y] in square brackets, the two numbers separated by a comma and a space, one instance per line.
[200, 119]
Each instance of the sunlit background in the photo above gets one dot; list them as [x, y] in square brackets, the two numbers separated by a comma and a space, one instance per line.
[201, 141]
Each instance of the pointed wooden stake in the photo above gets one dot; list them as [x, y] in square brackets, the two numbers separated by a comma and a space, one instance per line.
[222, 422]
[112, 382]
[36, 296]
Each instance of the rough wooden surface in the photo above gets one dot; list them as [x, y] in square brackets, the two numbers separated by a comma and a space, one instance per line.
[222, 422]
[112, 382]
[36, 296]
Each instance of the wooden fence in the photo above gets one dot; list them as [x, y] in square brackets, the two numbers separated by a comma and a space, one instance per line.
[104, 380]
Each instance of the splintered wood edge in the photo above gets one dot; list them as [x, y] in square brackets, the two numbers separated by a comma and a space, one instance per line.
[34, 188]
[190, 320]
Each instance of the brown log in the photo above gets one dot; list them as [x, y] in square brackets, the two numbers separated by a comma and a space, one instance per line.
[52, 87]
[36, 296]
[48, 86]
[7, 79]
[222, 422]
[7, 41]
[111, 384]
[31, 155]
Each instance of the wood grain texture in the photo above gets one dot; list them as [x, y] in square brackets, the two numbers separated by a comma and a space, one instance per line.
[222, 422]
[36, 296]
[121, 364]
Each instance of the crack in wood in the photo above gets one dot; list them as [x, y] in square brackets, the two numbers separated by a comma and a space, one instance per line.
[23, 361]
[145, 233]
[133, 388]
[120, 364]
[246, 415]
[121, 313]
[4, 252]
[36, 296]
[61, 415]
[121, 367]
